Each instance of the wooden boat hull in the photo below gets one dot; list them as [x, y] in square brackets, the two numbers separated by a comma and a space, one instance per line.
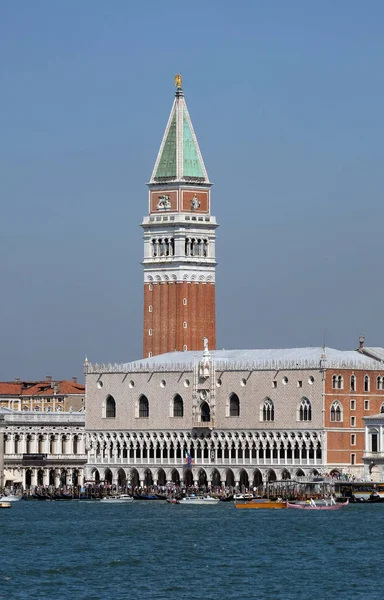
[5, 505]
[261, 504]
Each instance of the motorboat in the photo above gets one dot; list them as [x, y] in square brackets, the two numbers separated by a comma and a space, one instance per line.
[173, 501]
[122, 499]
[312, 505]
[5, 504]
[10, 498]
[261, 503]
[199, 500]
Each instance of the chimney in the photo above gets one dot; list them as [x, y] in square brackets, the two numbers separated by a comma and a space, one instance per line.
[55, 387]
[48, 378]
[74, 379]
[361, 342]
[17, 379]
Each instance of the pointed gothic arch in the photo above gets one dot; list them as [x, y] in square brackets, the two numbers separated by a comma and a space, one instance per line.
[110, 407]
[188, 478]
[234, 406]
[178, 406]
[121, 478]
[267, 410]
[161, 477]
[134, 479]
[205, 412]
[336, 413]
[305, 409]
[215, 478]
[257, 478]
[148, 478]
[143, 408]
[229, 478]
[175, 477]
[243, 479]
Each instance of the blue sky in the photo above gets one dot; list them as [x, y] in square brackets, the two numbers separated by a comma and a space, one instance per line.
[286, 99]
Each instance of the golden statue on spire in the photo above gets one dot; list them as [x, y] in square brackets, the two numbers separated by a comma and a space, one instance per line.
[178, 81]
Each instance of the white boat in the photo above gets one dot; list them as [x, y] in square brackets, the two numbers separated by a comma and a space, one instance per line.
[122, 499]
[202, 500]
[10, 498]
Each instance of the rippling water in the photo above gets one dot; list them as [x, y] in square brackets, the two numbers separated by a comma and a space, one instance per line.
[88, 550]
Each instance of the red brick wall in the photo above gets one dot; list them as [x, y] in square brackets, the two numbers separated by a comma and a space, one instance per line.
[339, 432]
[169, 314]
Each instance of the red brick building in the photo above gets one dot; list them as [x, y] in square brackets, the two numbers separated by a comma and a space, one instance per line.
[179, 243]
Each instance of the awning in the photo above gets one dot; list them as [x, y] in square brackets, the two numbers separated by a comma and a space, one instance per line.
[10, 477]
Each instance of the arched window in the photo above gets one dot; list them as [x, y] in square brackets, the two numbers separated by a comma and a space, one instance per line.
[110, 408]
[234, 406]
[178, 406]
[382, 408]
[336, 413]
[380, 383]
[334, 381]
[268, 410]
[143, 407]
[340, 383]
[353, 383]
[366, 383]
[305, 411]
[205, 412]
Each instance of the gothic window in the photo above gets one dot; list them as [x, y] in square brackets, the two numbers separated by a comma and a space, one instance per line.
[379, 384]
[382, 409]
[268, 410]
[234, 406]
[178, 406]
[334, 382]
[305, 410]
[353, 383]
[143, 407]
[366, 383]
[336, 412]
[110, 409]
[205, 412]
[340, 382]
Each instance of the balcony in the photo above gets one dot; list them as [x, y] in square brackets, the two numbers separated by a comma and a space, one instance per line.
[203, 424]
[373, 456]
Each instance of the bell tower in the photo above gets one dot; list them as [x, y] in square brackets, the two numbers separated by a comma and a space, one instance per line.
[179, 243]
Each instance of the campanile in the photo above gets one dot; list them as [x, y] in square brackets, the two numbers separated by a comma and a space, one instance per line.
[179, 243]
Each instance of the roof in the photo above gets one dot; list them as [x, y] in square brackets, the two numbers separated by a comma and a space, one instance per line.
[179, 158]
[41, 388]
[257, 359]
[375, 352]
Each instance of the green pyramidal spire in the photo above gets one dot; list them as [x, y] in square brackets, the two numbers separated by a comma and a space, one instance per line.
[179, 158]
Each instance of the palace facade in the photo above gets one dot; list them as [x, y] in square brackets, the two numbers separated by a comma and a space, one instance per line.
[241, 417]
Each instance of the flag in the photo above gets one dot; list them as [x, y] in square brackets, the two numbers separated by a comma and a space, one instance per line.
[188, 459]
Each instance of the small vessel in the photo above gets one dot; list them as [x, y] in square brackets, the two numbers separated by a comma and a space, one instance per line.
[122, 499]
[262, 503]
[10, 498]
[173, 501]
[199, 500]
[5, 505]
[312, 505]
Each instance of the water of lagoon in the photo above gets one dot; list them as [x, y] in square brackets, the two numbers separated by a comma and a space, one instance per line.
[90, 551]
